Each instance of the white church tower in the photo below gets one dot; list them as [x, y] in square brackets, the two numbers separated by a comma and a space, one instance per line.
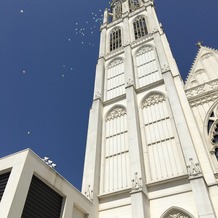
[146, 156]
[152, 145]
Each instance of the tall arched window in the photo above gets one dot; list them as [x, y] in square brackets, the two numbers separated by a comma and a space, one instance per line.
[164, 153]
[116, 9]
[115, 168]
[115, 81]
[147, 66]
[140, 28]
[115, 39]
[133, 5]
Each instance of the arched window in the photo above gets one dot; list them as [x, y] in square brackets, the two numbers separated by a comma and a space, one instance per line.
[147, 66]
[115, 80]
[133, 5]
[164, 153]
[140, 28]
[115, 39]
[115, 168]
[177, 213]
[116, 9]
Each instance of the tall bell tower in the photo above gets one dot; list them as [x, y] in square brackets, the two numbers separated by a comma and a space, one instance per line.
[141, 158]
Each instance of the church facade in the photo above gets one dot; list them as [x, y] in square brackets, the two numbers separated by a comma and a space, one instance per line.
[152, 144]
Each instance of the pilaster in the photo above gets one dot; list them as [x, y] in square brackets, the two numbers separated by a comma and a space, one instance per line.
[91, 174]
[99, 79]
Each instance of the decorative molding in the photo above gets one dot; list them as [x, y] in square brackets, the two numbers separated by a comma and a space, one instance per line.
[129, 83]
[115, 113]
[206, 87]
[144, 50]
[142, 39]
[193, 168]
[89, 193]
[165, 68]
[114, 53]
[176, 214]
[205, 99]
[115, 63]
[136, 182]
[153, 99]
[98, 95]
[205, 56]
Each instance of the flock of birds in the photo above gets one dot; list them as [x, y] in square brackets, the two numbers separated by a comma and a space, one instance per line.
[85, 32]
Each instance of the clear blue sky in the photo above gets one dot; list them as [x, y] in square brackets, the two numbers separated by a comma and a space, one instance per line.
[48, 54]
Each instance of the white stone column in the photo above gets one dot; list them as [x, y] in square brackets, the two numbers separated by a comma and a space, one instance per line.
[99, 79]
[91, 174]
[102, 46]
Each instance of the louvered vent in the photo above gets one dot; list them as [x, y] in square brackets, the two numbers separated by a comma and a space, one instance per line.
[42, 201]
[3, 182]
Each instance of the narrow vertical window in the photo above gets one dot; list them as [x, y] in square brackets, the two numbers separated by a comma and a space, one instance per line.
[115, 171]
[164, 152]
[115, 39]
[140, 28]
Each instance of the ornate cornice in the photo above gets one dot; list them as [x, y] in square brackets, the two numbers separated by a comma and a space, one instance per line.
[201, 90]
[204, 99]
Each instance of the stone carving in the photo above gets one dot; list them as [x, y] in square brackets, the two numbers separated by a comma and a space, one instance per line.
[133, 5]
[165, 68]
[115, 113]
[89, 193]
[177, 214]
[193, 168]
[129, 82]
[98, 95]
[115, 63]
[153, 99]
[144, 50]
[205, 99]
[210, 86]
[136, 182]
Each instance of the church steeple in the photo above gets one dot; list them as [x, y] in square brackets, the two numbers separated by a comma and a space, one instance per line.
[138, 136]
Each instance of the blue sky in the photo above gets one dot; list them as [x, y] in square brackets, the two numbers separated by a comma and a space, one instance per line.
[48, 54]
